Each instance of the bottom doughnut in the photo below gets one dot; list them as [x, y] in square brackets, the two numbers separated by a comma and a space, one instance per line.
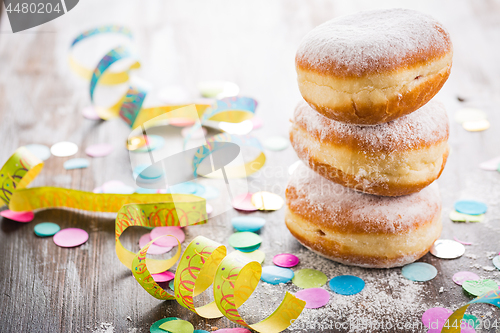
[361, 229]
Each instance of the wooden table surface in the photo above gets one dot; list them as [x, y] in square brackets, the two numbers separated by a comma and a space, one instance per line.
[44, 288]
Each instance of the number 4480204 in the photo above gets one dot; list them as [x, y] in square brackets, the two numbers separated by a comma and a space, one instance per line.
[33, 8]
[477, 324]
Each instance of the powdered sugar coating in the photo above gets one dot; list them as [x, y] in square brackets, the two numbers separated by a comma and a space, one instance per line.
[333, 206]
[422, 128]
[372, 42]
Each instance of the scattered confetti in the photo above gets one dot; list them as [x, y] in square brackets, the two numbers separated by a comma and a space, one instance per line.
[244, 202]
[76, 163]
[491, 165]
[436, 317]
[469, 114]
[276, 143]
[346, 284]
[309, 278]
[461, 242]
[459, 217]
[496, 262]
[293, 167]
[40, 151]
[153, 249]
[99, 150]
[276, 275]
[472, 320]
[247, 223]
[267, 201]
[155, 328]
[70, 237]
[90, 113]
[460, 277]
[198, 134]
[447, 249]
[245, 239]
[210, 193]
[256, 255]
[286, 260]
[218, 89]
[476, 126]
[314, 297]
[18, 216]
[479, 287]
[153, 142]
[470, 207]
[64, 149]
[168, 241]
[419, 271]
[163, 277]
[46, 229]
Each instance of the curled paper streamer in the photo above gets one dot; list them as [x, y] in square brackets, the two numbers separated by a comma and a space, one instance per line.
[234, 279]
[454, 322]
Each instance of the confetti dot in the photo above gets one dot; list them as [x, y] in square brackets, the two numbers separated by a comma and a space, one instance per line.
[314, 297]
[491, 165]
[257, 122]
[209, 209]
[496, 262]
[64, 149]
[472, 320]
[459, 217]
[200, 331]
[153, 249]
[155, 328]
[247, 223]
[18, 216]
[167, 241]
[460, 277]
[248, 249]
[276, 275]
[182, 122]
[476, 126]
[90, 113]
[163, 277]
[99, 150]
[436, 317]
[276, 143]
[177, 326]
[346, 284]
[70, 237]
[419, 271]
[447, 249]
[479, 287]
[286, 260]
[245, 239]
[244, 202]
[461, 242]
[40, 151]
[309, 278]
[256, 255]
[46, 229]
[267, 201]
[470, 207]
[76, 163]
[171, 284]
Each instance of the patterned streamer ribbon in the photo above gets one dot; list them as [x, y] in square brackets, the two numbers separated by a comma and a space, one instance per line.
[234, 278]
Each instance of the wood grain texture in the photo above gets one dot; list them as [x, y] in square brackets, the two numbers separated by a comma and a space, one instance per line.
[44, 288]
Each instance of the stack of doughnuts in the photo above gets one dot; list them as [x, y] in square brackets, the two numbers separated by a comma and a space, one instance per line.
[370, 137]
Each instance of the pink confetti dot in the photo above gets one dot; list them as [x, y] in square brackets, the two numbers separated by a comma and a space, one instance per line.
[244, 202]
[314, 297]
[18, 216]
[286, 260]
[153, 249]
[460, 277]
[210, 209]
[435, 318]
[90, 113]
[163, 277]
[167, 241]
[70, 237]
[99, 150]
[256, 122]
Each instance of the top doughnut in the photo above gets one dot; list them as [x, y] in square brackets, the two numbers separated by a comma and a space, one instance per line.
[374, 66]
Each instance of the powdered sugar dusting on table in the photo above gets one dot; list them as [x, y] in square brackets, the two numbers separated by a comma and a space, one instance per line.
[426, 126]
[336, 205]
[372, 41]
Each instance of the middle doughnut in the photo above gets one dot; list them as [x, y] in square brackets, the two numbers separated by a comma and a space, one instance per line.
[391, 159]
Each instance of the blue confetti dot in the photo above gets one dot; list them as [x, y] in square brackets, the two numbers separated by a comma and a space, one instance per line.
[496, 262]
[247, 223]
[470, 207]
[346, 284]
[419, 271]
[46, 229]
[76, 163]
[276, 275]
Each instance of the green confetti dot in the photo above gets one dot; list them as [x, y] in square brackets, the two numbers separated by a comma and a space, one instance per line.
[244, 239]
[46, 229]
[471, 320]
[177, 326]
[309, 278]
[479, 287]
[155, 328]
